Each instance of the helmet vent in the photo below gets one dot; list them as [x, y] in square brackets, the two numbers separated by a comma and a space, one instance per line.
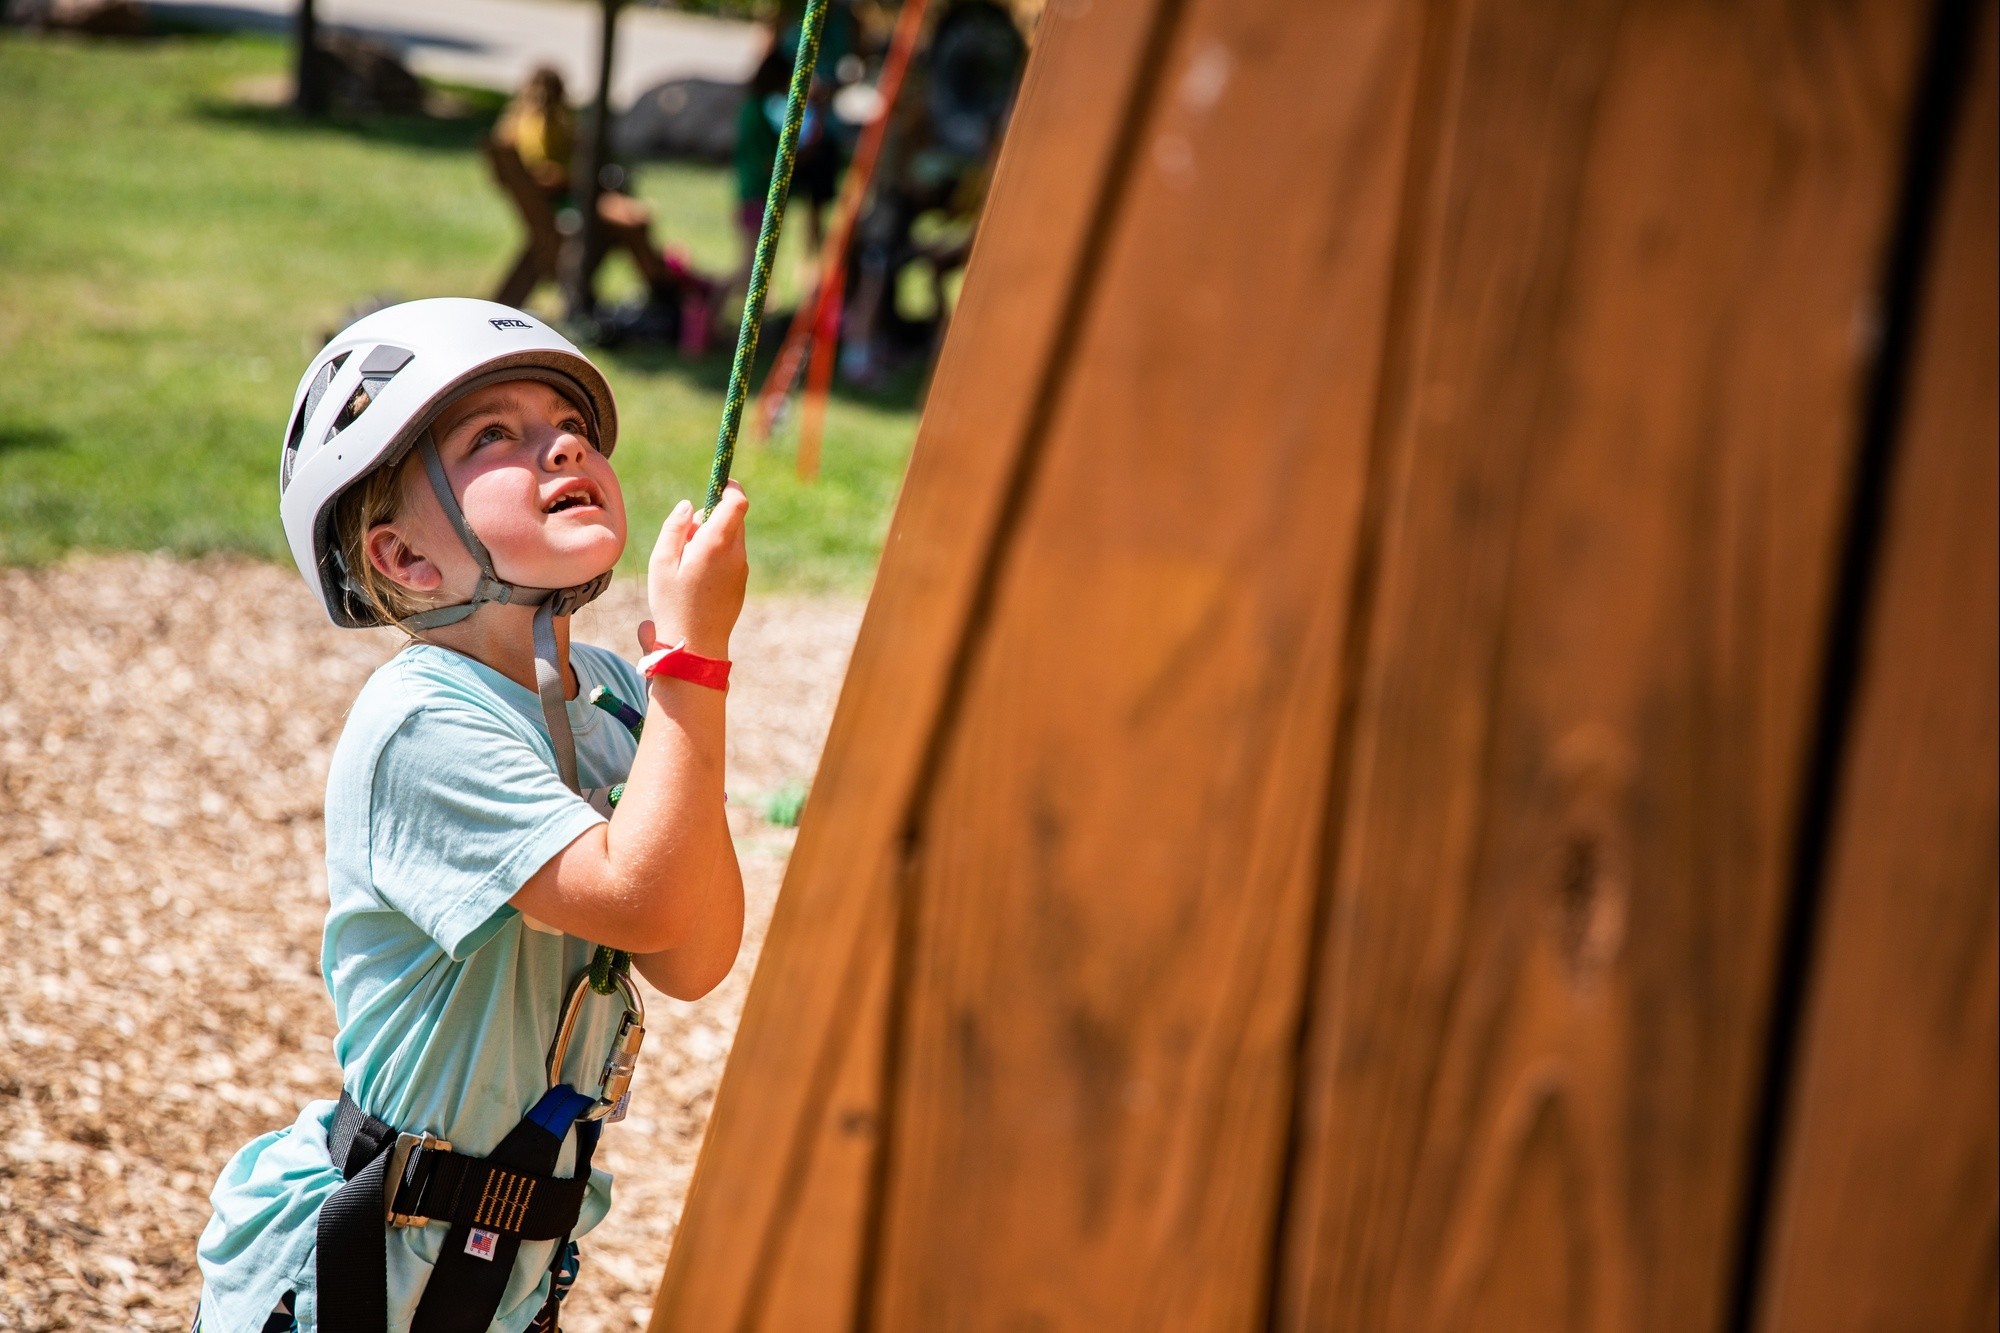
[355, 406]
[294, 436]
[380, 367]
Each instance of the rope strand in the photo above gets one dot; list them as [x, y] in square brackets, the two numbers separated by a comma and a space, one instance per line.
[607, 962]
[767, 249]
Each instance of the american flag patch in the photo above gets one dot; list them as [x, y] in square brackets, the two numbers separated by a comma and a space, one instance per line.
[482, 1244]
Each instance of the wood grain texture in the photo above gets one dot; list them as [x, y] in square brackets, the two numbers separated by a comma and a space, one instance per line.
[1622, 426]
[814, 1279]
[808, 1013]
[1114, 875]
[1889, 1210]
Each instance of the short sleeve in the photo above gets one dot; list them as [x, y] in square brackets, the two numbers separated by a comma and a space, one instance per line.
[464, 809]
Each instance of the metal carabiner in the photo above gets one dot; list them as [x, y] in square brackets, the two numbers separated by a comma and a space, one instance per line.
[616, 1079]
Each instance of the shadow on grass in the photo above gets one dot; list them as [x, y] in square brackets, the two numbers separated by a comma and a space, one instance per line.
[20, 437]
[441, 134]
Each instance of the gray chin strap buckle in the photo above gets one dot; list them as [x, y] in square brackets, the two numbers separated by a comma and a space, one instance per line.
[566, 601]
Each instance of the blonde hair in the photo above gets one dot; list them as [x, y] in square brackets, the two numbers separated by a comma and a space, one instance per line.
[376, 499]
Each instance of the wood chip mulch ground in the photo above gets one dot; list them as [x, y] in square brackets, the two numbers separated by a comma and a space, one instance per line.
[165, 728]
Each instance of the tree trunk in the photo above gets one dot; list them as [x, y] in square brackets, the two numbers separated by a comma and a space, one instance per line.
[584, 249]
[309, 95]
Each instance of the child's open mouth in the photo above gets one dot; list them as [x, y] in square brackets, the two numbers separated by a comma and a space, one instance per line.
[575, 495]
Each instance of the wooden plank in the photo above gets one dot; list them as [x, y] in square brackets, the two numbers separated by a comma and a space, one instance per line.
[808, 1002]
[815, 1279]
[1114, 871]
[1621, 427]
[1890, 1197]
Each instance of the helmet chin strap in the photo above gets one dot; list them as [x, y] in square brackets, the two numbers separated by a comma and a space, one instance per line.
[548, 603]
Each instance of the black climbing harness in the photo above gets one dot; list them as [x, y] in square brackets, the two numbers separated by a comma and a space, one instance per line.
[492, 1203]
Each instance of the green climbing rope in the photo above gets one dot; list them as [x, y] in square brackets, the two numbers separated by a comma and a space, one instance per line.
[767, 249]
[607, 963]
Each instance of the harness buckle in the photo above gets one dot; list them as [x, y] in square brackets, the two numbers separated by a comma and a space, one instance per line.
[399, 1164]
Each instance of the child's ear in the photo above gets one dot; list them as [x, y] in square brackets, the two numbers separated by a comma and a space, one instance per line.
[395, 559]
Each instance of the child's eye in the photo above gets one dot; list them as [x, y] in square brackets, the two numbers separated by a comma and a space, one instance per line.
[489, 436]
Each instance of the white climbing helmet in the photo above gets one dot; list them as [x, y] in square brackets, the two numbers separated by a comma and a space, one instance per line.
[371, 395]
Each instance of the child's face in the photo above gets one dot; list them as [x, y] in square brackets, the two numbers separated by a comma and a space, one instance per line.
[532, 485]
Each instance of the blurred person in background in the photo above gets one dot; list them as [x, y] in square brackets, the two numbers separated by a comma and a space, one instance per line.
[533, 148]
[931, 184]
[756, 151]
[821, 154]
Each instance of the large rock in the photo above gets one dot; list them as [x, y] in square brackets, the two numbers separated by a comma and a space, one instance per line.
[681, 118]
[363, 76]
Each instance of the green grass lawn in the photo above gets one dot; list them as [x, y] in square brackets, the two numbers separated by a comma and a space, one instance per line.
[172, 255]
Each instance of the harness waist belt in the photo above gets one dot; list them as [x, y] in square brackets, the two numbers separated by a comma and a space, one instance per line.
[510, 1193]
[439, 1185]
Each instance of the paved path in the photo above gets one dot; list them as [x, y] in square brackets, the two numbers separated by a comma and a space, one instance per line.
[494, 43]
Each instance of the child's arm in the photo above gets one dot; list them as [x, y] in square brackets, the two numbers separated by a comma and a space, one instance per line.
[661, 877]
[699, 965]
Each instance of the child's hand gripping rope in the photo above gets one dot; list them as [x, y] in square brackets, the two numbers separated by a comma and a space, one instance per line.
[694, 585]
[697, 576]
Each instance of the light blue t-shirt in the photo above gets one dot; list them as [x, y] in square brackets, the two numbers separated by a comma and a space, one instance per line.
[442, 800]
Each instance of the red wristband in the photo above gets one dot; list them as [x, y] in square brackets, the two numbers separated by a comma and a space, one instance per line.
[682, 664]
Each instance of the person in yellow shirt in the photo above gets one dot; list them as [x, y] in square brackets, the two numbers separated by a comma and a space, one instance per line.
[540, 128]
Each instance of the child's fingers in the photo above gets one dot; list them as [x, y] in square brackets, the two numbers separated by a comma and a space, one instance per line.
[726, 520]
[722, 532]
[649, 637]
[674, 535]
[732, 496]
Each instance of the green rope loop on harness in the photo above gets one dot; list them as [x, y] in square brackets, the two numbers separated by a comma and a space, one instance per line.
[605, 966]
[767, 251]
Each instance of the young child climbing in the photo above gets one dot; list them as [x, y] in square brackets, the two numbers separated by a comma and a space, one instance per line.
[447, 469]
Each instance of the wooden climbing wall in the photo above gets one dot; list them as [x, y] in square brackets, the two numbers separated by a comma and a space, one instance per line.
[1424, 751]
